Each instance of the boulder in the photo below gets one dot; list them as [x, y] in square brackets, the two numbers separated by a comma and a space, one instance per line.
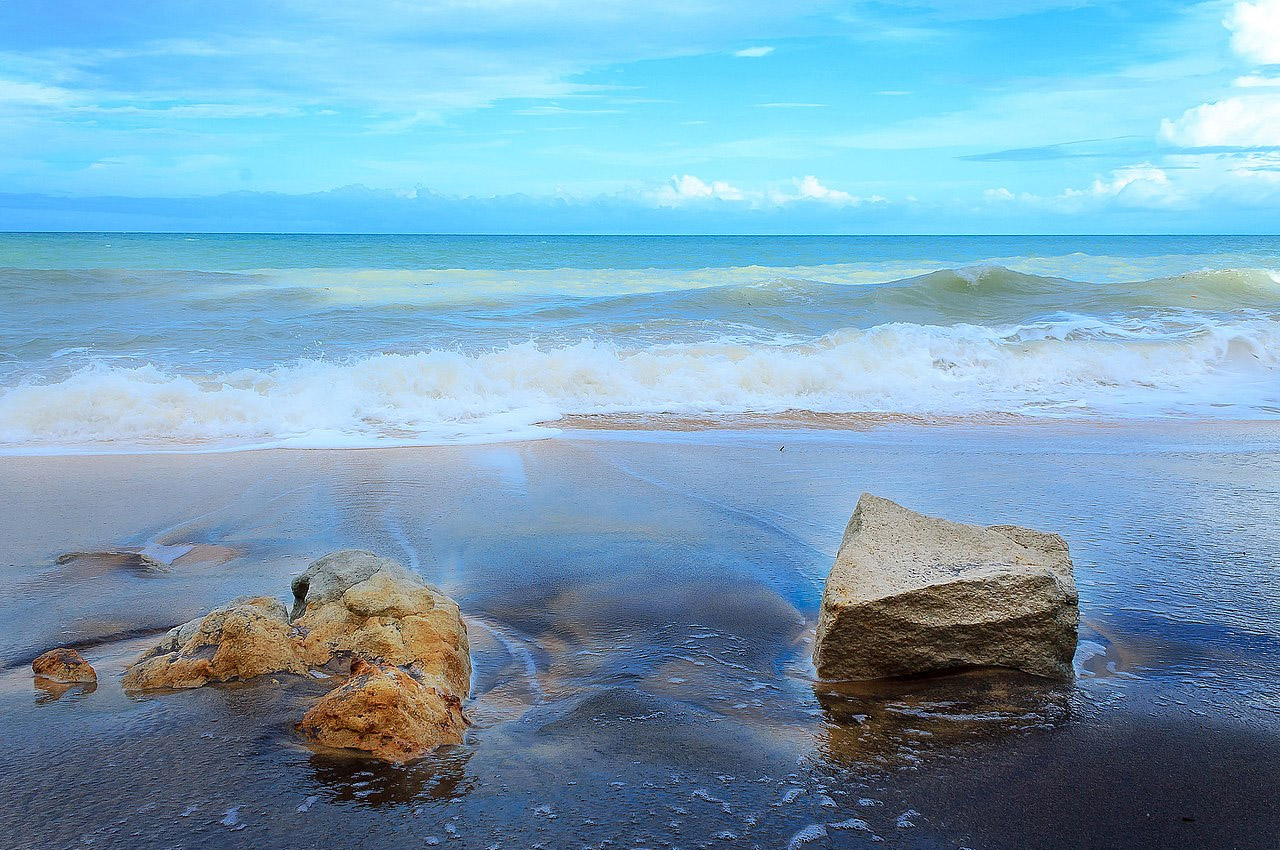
[353, 604]
[404, 640]
[913, 594]
[65, 666]
[245, 638]
[393, 713]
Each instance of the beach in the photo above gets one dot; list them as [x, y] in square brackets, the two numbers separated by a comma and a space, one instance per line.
[640, 604]
[631, 461]
[567, 425]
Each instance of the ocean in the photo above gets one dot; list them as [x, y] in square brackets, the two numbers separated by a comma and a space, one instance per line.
[127, 342]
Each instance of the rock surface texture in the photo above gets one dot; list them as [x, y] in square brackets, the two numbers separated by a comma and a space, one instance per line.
[389, 712]
[404, 642]
[353, 604]
[64, 666]
[245, 638]
[913, 594]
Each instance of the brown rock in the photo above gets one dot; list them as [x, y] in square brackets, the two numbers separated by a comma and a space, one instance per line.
[911, 594]
[240, 640]
[355, 604]
[65, 666]
[387, 711]
[405, 640]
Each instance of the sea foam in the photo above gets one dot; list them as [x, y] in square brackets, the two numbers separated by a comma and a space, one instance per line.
[1127, 367]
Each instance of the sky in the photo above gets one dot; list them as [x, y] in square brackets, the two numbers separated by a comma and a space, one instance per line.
[641, 116]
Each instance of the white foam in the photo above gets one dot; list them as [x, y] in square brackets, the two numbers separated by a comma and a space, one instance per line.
[1153, 367]
[811, 833]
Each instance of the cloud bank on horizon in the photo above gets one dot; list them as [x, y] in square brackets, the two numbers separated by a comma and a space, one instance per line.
[641, 116]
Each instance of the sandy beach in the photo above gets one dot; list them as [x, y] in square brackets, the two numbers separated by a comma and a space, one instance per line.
[580, 425]
[641, 606]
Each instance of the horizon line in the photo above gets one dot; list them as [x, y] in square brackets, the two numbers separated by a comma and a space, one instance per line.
[493, 234]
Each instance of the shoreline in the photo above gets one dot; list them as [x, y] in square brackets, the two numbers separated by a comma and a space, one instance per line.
[583, 426]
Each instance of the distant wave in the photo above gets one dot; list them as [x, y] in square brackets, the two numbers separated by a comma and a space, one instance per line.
[1155, 365]
[981, 294]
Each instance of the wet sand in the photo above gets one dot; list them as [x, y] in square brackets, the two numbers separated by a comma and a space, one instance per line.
[640, 606]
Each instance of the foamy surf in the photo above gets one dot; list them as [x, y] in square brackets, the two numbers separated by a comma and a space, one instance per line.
[213, 343]
[1073, 366]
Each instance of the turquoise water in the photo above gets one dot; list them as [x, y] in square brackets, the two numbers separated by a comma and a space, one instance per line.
[241, 252]
[128, 341]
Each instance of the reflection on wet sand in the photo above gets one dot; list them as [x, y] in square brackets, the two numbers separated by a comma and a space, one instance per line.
[901, 722]
[639, 610]
[50, 691]
[440, 777]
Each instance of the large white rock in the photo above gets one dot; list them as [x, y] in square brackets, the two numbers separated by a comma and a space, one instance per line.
[913, 594]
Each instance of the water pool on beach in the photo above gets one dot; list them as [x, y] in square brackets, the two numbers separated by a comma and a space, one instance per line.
[640, 606]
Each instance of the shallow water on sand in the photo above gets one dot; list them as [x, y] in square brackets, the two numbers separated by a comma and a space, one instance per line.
[640, 607]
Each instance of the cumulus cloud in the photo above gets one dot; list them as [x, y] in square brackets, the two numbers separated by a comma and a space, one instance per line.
[688, 189]
[753, 52]
[1255, 30]
[1204, 187]
[1252, 121]
[685, 188]
[1246, 120]
[1142, 185]
[810, 189]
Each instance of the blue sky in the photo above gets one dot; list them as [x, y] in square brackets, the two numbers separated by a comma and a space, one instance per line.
[641, 116]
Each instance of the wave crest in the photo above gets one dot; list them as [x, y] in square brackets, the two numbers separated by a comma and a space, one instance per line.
[1123, 368]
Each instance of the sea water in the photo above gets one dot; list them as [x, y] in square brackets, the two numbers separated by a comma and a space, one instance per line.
[179, 342]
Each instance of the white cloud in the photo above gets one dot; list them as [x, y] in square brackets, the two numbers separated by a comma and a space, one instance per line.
[1255, 81]
[1140, 182]
[1144, 186]
[1252, 121]
[810, 189]
[1182, 183]
[753, 52]
[1255, 30]
[33, 94]
[688, 189]
[685, 188]
[1249, 119]
[556, 109]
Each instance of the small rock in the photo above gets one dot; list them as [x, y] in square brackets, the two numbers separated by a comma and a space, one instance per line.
[65, 666]
[388, 712]
[90, 564]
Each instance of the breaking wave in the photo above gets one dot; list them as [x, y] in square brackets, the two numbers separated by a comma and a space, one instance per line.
[1173, 364]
